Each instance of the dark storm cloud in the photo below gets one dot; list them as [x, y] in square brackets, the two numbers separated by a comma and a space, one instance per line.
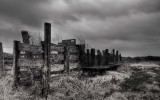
[132, 26]
[26, 11]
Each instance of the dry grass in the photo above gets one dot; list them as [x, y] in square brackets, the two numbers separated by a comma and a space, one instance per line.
[132, 81]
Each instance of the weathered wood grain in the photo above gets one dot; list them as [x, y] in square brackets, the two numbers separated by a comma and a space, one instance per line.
[30, 62]
[30, 48]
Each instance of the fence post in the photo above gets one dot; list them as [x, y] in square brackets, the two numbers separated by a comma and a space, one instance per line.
[99, 56]
[103, 57]
[106, 57]
[92, 57]
[1, 60]
[25, 38]
[66, 59]
[16, 53]
[117, 56]
[120, 57]
[88, 58]
[113, 56]
[81, 48]
[46, 69]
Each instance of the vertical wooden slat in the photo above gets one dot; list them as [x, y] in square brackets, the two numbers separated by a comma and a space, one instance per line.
[103, 57]
[92, 57]
[81, 49]
[88, 58]
[1, 60]
[99, 57]
[46, 69]
[120, 57]
[113, 55]
[16, 53]
[66, 59]
[106, 57]
[117, 56]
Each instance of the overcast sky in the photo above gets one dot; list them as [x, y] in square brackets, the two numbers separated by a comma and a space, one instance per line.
[131, 26]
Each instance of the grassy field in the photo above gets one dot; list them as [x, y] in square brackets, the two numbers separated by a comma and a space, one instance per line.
[132, 81]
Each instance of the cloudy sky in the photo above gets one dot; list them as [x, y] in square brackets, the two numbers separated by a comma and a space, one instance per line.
[131, 26]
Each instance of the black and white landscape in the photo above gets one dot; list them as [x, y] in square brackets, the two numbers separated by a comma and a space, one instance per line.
[79, 49]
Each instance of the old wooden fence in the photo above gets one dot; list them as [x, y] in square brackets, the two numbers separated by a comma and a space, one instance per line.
[36, 63]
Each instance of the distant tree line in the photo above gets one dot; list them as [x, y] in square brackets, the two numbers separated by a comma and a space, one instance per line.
[144, 58]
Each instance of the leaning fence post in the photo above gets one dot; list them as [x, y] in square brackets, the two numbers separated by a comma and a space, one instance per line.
[1, 60]
[25, 38]
[16, 53]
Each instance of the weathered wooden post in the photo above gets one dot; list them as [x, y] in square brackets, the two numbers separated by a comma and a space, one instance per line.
[16, 54]
[88, 58]
[81, 49]
[117, 56]
[1, 59]
[113, 56]
[120, 57]
[66, 59]
[99, 56]
[106, 57]
[92, 57]
[46, 69]
[25, 38]
[103, 57]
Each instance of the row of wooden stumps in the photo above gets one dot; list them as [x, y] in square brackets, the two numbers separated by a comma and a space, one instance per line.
[90, 59]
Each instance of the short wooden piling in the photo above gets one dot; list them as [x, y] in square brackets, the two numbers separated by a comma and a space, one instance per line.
[117, 58]
[92, 57]
[113, 55]
[106, 57]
